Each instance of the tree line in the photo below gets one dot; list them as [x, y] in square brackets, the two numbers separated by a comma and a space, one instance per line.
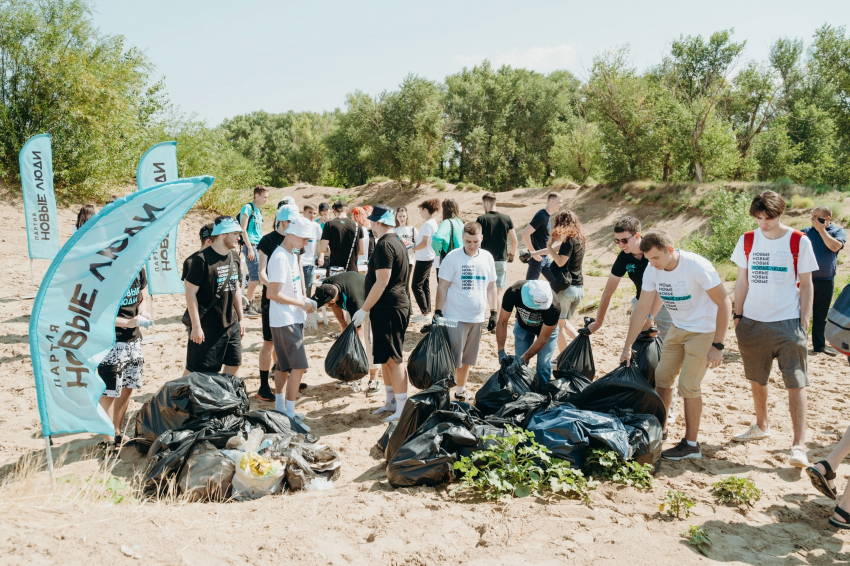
[701, 113]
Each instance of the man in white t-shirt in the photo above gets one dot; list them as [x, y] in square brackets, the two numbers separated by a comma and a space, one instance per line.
[467, 286]
[693, 294]
[287, 313]
[772, 314]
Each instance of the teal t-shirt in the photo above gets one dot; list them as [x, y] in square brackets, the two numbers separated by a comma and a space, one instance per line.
[255, 222]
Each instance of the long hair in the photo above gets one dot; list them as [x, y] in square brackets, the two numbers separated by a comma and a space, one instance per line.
[86, 212]
[567, 227]
[451, 209]
[360, 216]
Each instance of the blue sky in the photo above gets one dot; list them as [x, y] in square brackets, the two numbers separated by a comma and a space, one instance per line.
[223, 58]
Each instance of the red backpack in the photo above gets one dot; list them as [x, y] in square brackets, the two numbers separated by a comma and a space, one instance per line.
[749, 237]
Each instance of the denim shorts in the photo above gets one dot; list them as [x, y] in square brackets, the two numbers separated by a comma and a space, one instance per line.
[253, 266]
[501, 274]
[570, 299]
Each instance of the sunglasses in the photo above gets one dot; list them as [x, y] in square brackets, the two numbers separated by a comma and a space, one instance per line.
[623, 241]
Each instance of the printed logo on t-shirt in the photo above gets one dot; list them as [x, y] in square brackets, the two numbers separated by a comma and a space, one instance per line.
[676, 296]
[530, 317]
[132, 297]
[769, 268]
[221, 273]
[630, 267]
[472, 277]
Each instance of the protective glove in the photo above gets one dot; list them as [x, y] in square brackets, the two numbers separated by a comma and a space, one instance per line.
[438, 313]
[143, 321]
[359, 317]
[503, 356]
[491, 324]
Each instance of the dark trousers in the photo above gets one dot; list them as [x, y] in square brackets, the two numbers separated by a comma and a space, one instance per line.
[820, 307]
[420, 285]
[536, 268]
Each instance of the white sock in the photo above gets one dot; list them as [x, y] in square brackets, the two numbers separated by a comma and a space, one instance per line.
[279, 400]
[390, 396]
[692, 444]
[460, 389]
[290, 408]
[400, 400]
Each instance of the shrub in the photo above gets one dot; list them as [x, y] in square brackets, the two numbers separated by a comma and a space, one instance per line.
[799, 201]
[470, 186]
[677, 503]
[608, 465]
[517, 466]
[697, 537]
[594, 272]
[436, 182]
[734, 490]
[377, 179]
[730, 218]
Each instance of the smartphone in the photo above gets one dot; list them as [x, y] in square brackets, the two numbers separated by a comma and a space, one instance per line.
[821, 219]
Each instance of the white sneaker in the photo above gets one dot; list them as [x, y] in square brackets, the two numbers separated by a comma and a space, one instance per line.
[387, 408]
[373, 388]
[752, 433]
[798, 457]
[355, 387]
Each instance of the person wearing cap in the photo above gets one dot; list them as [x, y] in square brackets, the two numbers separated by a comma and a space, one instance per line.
[465, 291]
[342, 239]
[536, 327]
[206, 240]
[345, 294]
[213, 300]
[251, 221]
[324, 215]
[388, 306]
[267, 246]
[287, 314]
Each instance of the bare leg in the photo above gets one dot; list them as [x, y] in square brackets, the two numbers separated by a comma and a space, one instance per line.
[462, 374]
[760, 403]
[251, 290]
[292, 383]
[280, 379]
[266, 352]
[397, 376]
[231, 370]
[119, 409]
[797, 405]
[106, 403]
[693, 414]
[666, 394]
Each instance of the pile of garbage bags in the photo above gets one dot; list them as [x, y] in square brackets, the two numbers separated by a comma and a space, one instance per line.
[202, 443]
[570, 414]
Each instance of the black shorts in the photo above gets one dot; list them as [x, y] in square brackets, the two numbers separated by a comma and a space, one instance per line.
[267, 330]
[388, 328]
[221, 346]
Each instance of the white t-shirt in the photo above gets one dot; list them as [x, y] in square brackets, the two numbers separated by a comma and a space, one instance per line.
[773, 294]
[363, 258]
[683, 291]
[284, 268]
[408, 236]
[428, 230]
[309, 255]
[466, 300]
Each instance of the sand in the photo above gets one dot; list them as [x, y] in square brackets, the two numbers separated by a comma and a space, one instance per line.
[363, 520]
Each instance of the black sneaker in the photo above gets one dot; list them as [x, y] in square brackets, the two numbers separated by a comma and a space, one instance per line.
[681, 451]
[251, 312]
[265, 394]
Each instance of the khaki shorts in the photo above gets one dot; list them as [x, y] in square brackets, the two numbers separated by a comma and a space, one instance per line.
[465, 339]
[684, 354]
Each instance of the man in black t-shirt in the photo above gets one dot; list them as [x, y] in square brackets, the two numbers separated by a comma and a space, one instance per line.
[268, 244]
[630, 262]
[497, 229]
[218, 324]
[388, 307]
[536, 236]
[343, 237]
[121, 368]
[536, 327]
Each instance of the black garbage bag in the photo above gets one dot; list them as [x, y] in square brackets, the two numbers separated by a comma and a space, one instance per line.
[206, 475]
[215, 430]
[167, 463]
[565, 385]
[569, 432]
[427, 458]
[275, 422]
[385, 438]
[346, 360]
[188, 402]
[432, 360]
[579, 354]
[647, 353]
[519, 412]
[625, 389]
[508, 384]
[416, 411]
[644, 436]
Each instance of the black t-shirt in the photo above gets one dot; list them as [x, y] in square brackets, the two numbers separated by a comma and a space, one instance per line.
[186, 263]
[540, 236]
[530, 320]
[390, 253]
[268, 244]
[130, 308]
[627, 264]
[207, 270]
[352, 290]
[343, 236]
[574, 249]
[495, 227]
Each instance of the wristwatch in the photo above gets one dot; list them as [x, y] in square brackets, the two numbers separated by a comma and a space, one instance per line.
[718, 345]
[737, 316]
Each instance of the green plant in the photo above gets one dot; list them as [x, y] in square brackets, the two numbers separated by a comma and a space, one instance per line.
[517, 466]
[589, 307]
[676, 503]
[436, 182]
[377, 179]
[730, 218]
[799, 201]
[736, 491]
[697, 537]
[608, 465]
[594, 272]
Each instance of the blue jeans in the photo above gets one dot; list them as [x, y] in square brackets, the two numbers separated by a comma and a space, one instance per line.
[253, 266]
[308, 278]
[523, 341]
[536, 268]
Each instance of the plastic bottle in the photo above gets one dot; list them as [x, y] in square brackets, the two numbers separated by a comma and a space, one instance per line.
[443, 321]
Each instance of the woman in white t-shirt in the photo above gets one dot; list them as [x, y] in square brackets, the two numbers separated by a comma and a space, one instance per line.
[407, 235]
[420, 281]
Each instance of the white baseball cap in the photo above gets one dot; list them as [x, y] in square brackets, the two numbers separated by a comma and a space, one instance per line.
[286, 212]
[301, 227]
[537, 295]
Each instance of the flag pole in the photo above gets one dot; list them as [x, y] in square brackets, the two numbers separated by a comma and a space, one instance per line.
[49, 455]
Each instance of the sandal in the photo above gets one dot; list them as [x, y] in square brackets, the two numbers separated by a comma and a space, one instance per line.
[845, 524]
[334, 335]
[820, 481]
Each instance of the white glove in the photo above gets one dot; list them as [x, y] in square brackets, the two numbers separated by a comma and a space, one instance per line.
[312, 322]
[359, 317]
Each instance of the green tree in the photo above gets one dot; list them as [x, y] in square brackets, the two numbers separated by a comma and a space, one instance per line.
[578, 152]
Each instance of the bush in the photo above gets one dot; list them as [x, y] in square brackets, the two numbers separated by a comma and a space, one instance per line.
[730, 218]
[799, 201]
[734, 490]
[436, 182]
[677, 503]
[377, 179]
[608, 465]
[469, 186]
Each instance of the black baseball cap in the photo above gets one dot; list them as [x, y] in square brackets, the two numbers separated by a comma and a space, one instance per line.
[383, 214]
[206, 231]
[324, 206]
[324, 294]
